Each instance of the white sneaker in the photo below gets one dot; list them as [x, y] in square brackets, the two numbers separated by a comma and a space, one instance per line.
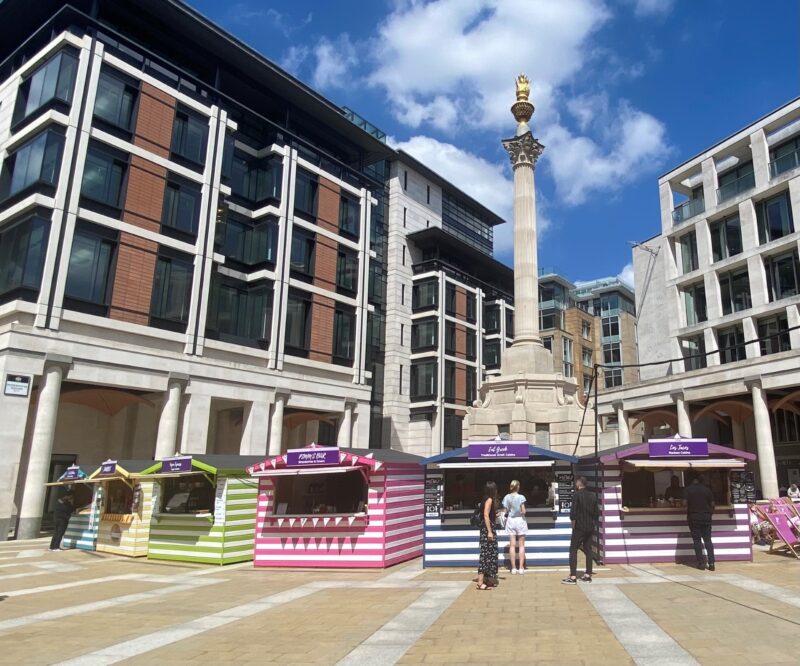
[521, 572]
[514, 572]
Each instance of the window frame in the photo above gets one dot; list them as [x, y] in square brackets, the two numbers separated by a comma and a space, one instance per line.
[179, 153]
[25, 286]
[20, 116]
[313, 180]
[128, 86]
[104, 236]
[340, 314]
[158, 319]
[289, 347]
[727, 282]
[346, 262]
[242, 289]
[171, 207]
[52, 138]
[117, 158]
[306, 274]
[345, 202]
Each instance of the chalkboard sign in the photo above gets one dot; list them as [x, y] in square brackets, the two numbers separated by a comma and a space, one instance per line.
[433, 496]
[743, 488]
[566, 489]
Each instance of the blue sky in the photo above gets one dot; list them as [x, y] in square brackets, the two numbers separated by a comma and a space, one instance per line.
[624, 90]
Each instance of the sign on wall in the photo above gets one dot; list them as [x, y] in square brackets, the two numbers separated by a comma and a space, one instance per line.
[565, 487]
[17, 385]
[433, 495]
[176, 464]
[220, 498]
[498, 451]
[311, 457]
[678, 448]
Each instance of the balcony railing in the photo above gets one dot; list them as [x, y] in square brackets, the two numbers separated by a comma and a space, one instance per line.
[741, 184]
[784, 163]
[688, 209]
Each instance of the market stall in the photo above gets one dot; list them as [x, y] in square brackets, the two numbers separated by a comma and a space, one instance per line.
[123, 505]
[339, 508]
[643, 519]
[454, 484]
[204, 509]
[82, 528]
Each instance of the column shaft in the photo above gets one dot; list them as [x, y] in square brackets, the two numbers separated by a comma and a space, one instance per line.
[737, 430]
[44, 430]
[526, 278]
[623, 432]
[684, 422]
[168, 423]
[276, 427]
[764, 447]
[345, 438]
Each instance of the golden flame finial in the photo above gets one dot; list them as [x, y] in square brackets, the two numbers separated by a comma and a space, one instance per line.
[523, 88]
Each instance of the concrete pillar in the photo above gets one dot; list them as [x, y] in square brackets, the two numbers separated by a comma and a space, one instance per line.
[361, 425]
[737, 429]
[753, 350]
[793, 320]
[166, 440]
[760, 151]
[44, 430]
[709, 182]
[684, 422]
[255, 435]
[276, 426]
[711, 346]
[764, 447]
[196, 422]
[748, 222]
[344, 437]
[623, 431]
[667, 201]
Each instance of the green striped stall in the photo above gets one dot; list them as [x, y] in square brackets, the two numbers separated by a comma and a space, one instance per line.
[188, 525]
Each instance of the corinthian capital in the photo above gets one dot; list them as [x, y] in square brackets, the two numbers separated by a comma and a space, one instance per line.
[523, 150]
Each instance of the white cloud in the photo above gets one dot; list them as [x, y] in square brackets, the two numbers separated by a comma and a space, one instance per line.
[626, 275]
[294, 58]
[652, 7]
[243, 13]
[335, 61]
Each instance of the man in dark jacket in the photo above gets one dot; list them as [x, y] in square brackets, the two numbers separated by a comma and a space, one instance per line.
[61, 514]
[583, 514]
[699, 502]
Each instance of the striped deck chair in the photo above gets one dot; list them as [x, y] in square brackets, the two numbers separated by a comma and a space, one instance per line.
[793, 508]
[785, 533]
[764, 531]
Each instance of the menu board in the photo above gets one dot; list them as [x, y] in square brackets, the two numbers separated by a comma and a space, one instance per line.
[433, 495]
[743, 488]
[566, 489]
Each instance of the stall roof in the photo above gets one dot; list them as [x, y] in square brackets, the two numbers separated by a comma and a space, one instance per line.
[213, 463]
[127, 467]
[352, 456]
[532, 451]
[642, 449]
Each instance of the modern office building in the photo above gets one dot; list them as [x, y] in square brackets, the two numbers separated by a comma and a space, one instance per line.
[191, 247]
[717, 296]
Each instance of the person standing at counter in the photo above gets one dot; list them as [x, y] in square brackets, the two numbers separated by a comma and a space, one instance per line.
[516, 526]
[487, 564]
[674, 492]
[583, 514]
[699, 503]
[61, 514]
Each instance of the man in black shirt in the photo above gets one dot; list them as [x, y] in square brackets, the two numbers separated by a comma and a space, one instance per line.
[699, 502]
[583, 514]
[61, 514]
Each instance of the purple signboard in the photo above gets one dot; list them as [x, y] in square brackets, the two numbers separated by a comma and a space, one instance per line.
[498, 451]
[108, 468]
[678, 448]
[73, 473]
[312, 457]
[178, 464]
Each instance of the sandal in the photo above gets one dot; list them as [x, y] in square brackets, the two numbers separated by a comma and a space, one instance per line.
[483, 586]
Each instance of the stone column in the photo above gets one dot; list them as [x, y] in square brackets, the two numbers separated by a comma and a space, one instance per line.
[737, 430]
[276, 426]
[166, 440]
[764, 447]
[44, 430]
[623, 431]
[196, 421]
[684, 422]
[344, 437]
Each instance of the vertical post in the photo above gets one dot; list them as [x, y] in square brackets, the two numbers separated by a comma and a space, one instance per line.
[168, 422]
[623, 433]
[44, 430]
[596, 412]
[276, 427]
[345, 434]
[764, 447]
[684, 422]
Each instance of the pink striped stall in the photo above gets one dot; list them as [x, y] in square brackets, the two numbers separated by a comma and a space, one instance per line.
[645, 534]
[384, 527]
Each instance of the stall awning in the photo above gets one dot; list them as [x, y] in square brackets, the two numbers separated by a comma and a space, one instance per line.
[167, 475]
[494, 465]
[686, 464]
[293, 471]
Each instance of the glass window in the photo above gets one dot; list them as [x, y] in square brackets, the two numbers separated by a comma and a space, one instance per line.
[587, 384]
[37, 161]
[256, 180]
[240, 312]
[694, 350]
[735, 181]
[424, 333]
[22, 250]
[450, 337]
[172, 289]
[347, 271]
[248, 242]
[586, 330]
[491, 318]
[181, 207]
[103, 176]
[610, 327]
[471, 307]
[491, 354]
[423, 380]
[465, 222]
[349, 216]
[735, 291]
[612, 353]
[694, 298]
[425, 295]
[783, 276]
[784, 157]
[116, 99]
[305, 193]
[726, 238]
[547, 342]
[688, 244]
[613, 377]
[550, 319]
[450, 381]
[312, 494]
[89, 275]
[450, 299]
[302, 258]
[472, 345]
[187, 495]
[118, 498]
[586, 357]
[774, 218]
[189, 133]
[566, 344]
[773, 335]
[344, 334]
[298, 321]
[471, 386]
[52, 82]
[731, 344]
[509, 323]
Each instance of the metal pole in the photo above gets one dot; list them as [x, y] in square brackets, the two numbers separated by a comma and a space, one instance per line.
[596, 413]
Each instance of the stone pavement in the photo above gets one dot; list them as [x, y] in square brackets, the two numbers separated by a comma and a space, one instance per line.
[76, 607]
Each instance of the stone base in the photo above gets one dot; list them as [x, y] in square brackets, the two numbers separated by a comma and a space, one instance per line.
[526, 400]
[29, 528]
[527, 358]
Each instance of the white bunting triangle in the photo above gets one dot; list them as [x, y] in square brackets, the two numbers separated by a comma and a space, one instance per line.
[314, 521]
[280, 522]
[337, 520]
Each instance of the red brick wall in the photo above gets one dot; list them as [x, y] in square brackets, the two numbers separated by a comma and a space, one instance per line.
[461, 384]
[133, 279]
[321, 339]
[154, 120]
[461, 341]
[328, 205]
[144, 198]
[461, 303]
[326, 256]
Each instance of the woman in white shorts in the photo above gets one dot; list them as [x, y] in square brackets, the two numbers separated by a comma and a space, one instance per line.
[516, 527]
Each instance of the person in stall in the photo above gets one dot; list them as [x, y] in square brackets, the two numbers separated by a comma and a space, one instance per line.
[675, 491]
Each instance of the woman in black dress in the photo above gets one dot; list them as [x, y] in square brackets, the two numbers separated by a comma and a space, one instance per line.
[487, 564]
